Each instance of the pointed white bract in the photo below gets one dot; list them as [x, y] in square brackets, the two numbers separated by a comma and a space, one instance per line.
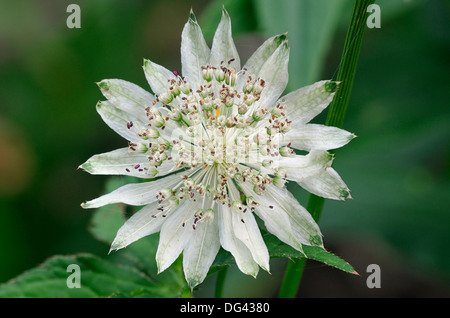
[146, 221]
[120, 162]
[223, 51]
[176, 233]
[312, 136]
[126, 96]
[274, 74]
[327, 184]
[201, 251]
[307, 102]
[215, 147]
[195, 52]
[259, 58]
[231, 243]
[157, 76]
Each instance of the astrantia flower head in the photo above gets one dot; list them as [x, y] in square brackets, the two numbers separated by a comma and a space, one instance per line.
[220, 143]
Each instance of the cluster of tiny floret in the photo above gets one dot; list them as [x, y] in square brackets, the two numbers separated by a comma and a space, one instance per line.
[222, 129]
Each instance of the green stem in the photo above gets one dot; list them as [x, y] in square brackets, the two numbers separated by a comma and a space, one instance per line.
[336, 114]
[292, 277]
[218, 293]
[349, 61]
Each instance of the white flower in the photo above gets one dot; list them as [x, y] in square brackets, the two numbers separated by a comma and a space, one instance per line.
[222, 140]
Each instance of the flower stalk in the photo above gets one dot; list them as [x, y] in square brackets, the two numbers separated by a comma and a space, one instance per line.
[335, 117]
[218, 292]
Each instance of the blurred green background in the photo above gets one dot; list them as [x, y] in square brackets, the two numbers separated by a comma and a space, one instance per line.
[397, 168]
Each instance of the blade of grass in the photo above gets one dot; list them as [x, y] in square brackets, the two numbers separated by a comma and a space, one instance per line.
[335, 117]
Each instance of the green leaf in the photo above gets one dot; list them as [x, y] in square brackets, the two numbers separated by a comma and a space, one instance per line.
[321, 255]
[223, 258]
[317, 253]
[105, 223]
[98, 278]
[279, 249]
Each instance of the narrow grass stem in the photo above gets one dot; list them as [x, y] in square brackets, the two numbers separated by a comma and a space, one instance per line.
[221, 275]
[335, 117]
